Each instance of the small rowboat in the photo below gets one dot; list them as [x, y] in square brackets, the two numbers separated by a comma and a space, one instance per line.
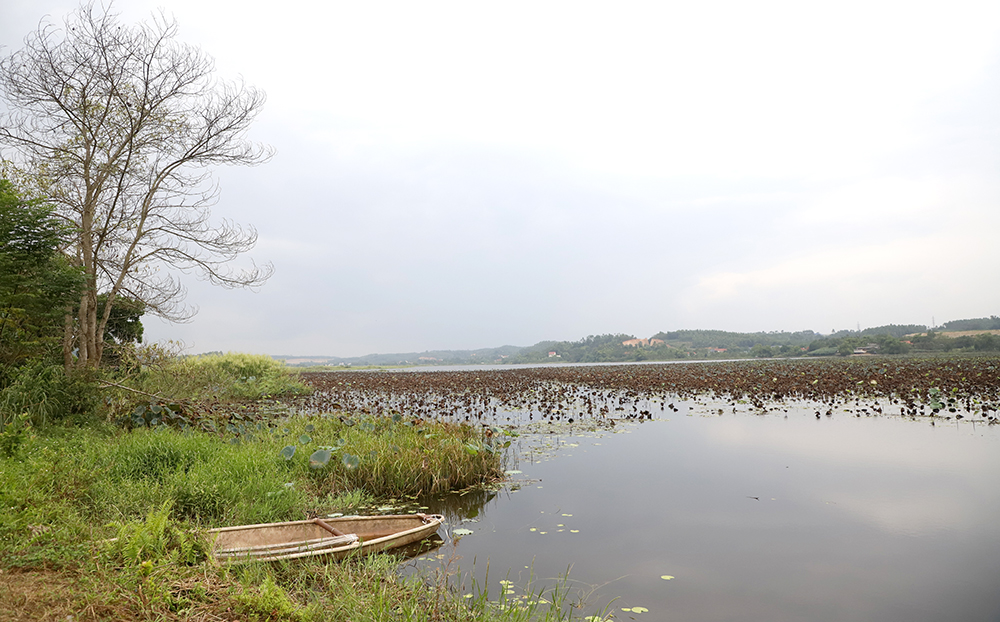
[333, 537]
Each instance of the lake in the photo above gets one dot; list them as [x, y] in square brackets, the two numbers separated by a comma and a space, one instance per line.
[778, 516]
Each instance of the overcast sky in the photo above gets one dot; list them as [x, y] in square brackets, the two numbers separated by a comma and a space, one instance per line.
[471, 174]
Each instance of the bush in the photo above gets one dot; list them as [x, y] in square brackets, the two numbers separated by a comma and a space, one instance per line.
[48, 394]
[228, 377]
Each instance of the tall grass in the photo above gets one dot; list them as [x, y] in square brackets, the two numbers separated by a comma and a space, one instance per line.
[78, 481]
[66, 489]
[158, 371]
[399, 458]
[47, 394]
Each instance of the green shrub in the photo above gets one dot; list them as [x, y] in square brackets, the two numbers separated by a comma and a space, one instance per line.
[156, 540]
[226, 377]
[48, 394]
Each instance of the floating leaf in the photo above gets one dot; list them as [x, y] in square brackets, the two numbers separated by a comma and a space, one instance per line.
[319, 458]
[462, 532]
[350, 462]
[639, 610]
[305, 439]
[288, 452]
[512, 472]
[310, 428]
[667, 577]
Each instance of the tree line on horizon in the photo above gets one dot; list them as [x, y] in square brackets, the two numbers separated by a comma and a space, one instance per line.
[708, 344]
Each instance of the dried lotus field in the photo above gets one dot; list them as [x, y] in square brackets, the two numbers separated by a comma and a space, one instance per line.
[911, 387]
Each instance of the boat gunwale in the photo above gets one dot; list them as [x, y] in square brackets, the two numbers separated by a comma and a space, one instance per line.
[430, 524]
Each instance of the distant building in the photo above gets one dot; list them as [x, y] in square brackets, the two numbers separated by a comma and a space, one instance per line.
[551, 354]
[871, 348]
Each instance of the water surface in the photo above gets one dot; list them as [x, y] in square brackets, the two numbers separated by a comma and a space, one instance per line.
[757, 517]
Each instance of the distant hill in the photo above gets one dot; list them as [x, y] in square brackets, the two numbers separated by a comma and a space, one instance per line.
[697, 344]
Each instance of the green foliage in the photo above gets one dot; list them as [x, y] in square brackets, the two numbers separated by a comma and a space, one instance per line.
[37, 283]
[206, 478]
[982, 323]
[894, 330]
[396, 457]
[48, 394]
[157, 540]
[227, 377]
[80, 479]
[124, 325]
[268, 601]
[13, 435]
[154, 386]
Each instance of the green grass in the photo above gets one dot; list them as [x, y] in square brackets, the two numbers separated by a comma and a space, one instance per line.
[66, 490]
[216, 377]
[79, 480]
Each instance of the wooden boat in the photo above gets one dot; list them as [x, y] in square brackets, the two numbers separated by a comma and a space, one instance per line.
[333, 537]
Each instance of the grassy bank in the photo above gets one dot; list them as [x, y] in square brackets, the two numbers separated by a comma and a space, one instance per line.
[182, 444]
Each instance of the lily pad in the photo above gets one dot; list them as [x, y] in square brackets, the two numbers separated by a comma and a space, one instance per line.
[462, 532]
[288, 452]
[319, 458]
[350, 462]
[667, 577]
[305, 439]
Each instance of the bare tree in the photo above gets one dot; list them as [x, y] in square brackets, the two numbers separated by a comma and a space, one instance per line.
[120, 127]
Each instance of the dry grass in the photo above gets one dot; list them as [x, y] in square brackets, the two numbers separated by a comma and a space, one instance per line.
[47, 595]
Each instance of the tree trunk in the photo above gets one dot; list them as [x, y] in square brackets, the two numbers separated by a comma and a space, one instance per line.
[67, 341]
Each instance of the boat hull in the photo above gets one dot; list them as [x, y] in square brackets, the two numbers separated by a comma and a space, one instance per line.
[310, 538]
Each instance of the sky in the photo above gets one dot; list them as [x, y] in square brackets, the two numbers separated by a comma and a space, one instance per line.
[459, 175]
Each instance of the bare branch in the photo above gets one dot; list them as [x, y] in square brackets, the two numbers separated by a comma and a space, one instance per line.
[121, 127]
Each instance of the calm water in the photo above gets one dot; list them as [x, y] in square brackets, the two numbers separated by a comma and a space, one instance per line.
[775, 517]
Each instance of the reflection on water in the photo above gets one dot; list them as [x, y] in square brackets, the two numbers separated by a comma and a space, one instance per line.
[775, 517]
